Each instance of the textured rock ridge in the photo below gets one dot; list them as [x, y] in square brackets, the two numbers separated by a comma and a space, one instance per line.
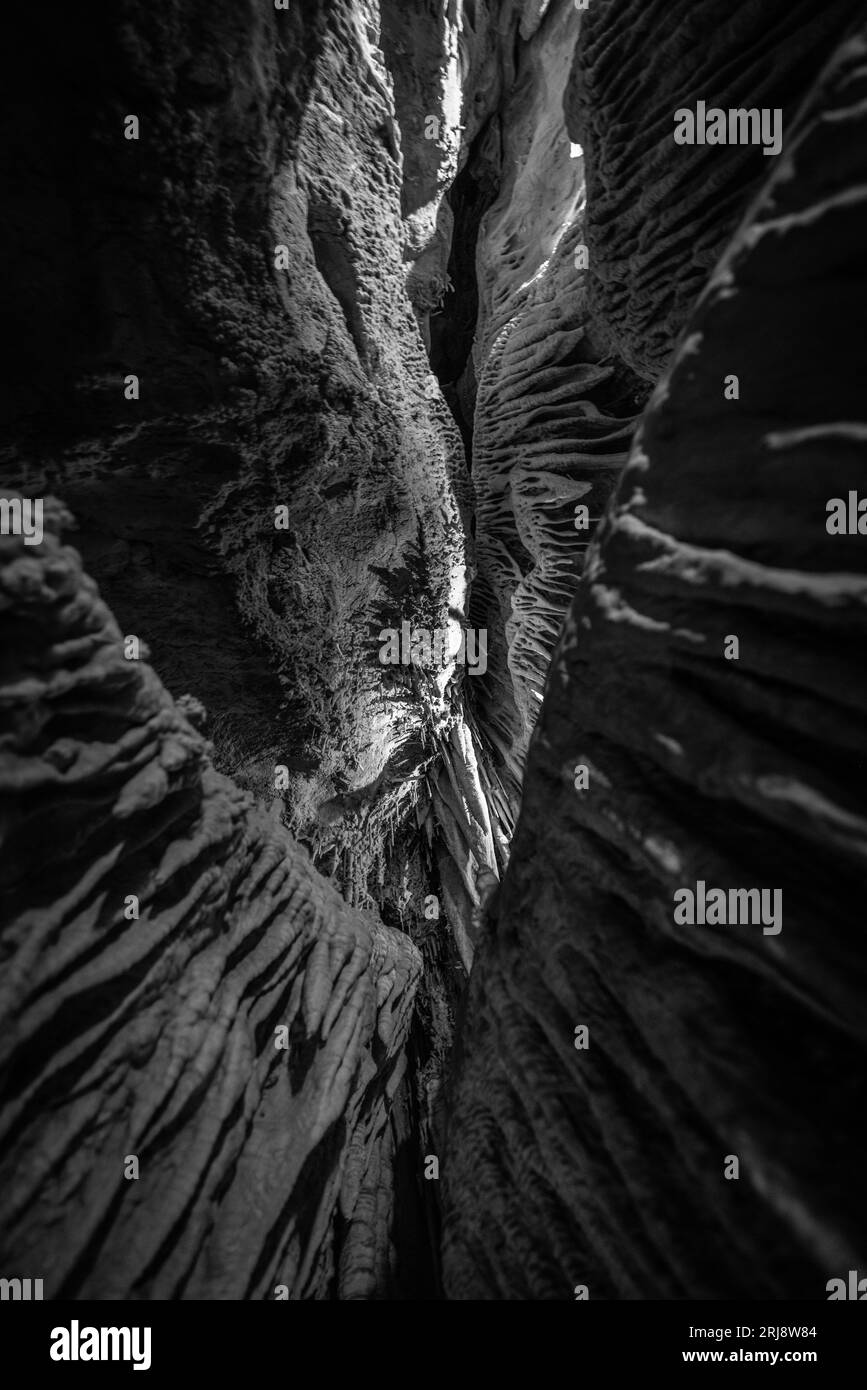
[604, 1166]
[155, 1036]
[657, 225]
[553, 418]
[267, 377]
[352, 333]
[257, 259]
[563, 354]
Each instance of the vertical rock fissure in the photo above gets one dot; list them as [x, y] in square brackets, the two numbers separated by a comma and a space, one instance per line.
[453, 326]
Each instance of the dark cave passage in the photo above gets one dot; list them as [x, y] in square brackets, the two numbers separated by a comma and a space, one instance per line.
[453, 326]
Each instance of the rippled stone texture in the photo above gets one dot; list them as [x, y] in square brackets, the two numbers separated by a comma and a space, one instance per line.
[657, 224]
[605, 1167]
[266, 378]
[567, 341]
[553, 419]
[155, 1036]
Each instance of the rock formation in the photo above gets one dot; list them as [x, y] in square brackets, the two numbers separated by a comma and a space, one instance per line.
[659, 216]
[600, 1160]
[335, 326]
[181, 991]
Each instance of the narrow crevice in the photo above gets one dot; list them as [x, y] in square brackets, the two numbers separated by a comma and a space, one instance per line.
[453, 327]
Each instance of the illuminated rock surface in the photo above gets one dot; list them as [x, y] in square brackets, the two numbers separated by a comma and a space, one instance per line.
[147, 1028]
[605, 1166]
[344, 262]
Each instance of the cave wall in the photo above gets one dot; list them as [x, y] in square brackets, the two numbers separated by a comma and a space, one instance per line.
[258, 386]
[565, 354]
[159, 928]
[303, 385]
[656, 226]
[307, 384]
[599, 1165]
